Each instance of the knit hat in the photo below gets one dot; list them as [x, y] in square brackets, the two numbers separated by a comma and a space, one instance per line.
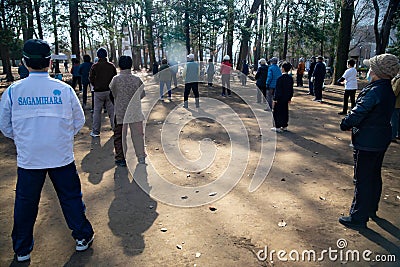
[274, 60]
[385, 66]
[263, 61]
[36, 53]
[101, 52]
[227, 57]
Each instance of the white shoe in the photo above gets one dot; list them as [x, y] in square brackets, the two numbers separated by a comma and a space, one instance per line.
[278, 130]
[92, 134]
[21, 258]
[82, 245]
[284, 129]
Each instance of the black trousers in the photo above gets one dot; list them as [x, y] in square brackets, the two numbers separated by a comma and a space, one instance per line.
[368, 180]
[191, 86]
[77, 80]
[318, 89]
[352, 95]
[299, 79]
[281, 114]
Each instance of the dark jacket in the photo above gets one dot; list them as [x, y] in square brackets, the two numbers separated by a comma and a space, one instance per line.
[84, 70]
[370, 118]
[23, 71]
[261, 76]
[284, 88]
[245, 69]
[101, 75]
[319, 72]
[311, 70]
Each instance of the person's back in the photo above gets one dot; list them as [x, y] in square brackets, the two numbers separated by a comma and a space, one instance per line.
[101, 75]
[192, 72]
[165, 73]
[75, 69]
[261, 75]
[273, 74]
[84, 70]
[319, 72]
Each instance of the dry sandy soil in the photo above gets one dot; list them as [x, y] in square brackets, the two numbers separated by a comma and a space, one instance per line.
[308, 187]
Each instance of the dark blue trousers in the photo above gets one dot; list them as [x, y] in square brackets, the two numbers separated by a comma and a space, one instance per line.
[367, 174]
[29, 186]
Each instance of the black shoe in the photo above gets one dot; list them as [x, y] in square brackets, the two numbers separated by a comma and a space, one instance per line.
[342, 113]
[373, 215]
[120, 163]
[349, 222]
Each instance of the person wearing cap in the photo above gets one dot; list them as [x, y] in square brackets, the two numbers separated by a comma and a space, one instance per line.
[226, 68]
[301, 67]
[310, 72]
[42, 115]
[261, 80]
[349, 79]
[191, 74]
[128, 90]
[318, 77]
[100, 77]
[369, 122]
[274, 72]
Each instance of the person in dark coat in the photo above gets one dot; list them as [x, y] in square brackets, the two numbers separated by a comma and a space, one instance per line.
[282, 96]
[310, 72]
[84, 70]
[318, 78]
[22, 71]
[261, 80]
[245, 73]
[369, 122]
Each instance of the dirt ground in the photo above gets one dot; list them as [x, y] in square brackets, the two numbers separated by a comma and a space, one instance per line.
[308, 187]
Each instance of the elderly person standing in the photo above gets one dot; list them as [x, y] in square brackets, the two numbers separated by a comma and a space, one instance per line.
[300, 72]
[261, 80]
[274, 72]
[128, 88]
[369, 122]
[318, 78]
[100, 77]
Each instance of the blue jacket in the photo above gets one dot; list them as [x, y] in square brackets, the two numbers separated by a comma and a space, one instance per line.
[84, 70]
[370, 118]
[274, 72]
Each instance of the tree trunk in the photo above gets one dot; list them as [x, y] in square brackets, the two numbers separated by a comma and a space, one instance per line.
[246, 33]
[149, 31]
[74, 23]
[285, 43]
[382, 35]
[259, 35]
[54, 21]
[344, 39]
[187, 27]
[38, 20]
[230, 26]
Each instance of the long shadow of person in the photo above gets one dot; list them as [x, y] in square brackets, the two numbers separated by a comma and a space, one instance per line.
[388, 227]
[378, 239]
[99, 160]
[80, 259]
[132, 211]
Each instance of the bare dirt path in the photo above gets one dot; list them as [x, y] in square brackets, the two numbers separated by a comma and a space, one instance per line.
[309, 187]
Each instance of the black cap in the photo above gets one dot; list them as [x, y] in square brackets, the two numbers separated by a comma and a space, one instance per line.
[36, 49]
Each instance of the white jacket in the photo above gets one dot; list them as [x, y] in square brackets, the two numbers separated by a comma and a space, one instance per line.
[42, 115]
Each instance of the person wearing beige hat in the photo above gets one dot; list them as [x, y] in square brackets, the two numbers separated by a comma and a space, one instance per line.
[369, 122]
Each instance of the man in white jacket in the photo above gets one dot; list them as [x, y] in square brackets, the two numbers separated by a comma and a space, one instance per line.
[42, 115]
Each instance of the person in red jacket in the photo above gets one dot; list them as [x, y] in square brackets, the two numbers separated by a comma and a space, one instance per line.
[226, 68]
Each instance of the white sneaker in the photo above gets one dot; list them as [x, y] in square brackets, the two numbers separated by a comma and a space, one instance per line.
[92, 134]
[278, 130]
[21, 258]
[82, 245]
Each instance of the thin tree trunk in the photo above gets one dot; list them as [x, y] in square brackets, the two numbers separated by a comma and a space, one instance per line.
[38, 20]
[246, 33]
[344, 39]
[74, 23]
[285, 42]
[149, 31]
[187, 27]
[230, 27]
[54, 21]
